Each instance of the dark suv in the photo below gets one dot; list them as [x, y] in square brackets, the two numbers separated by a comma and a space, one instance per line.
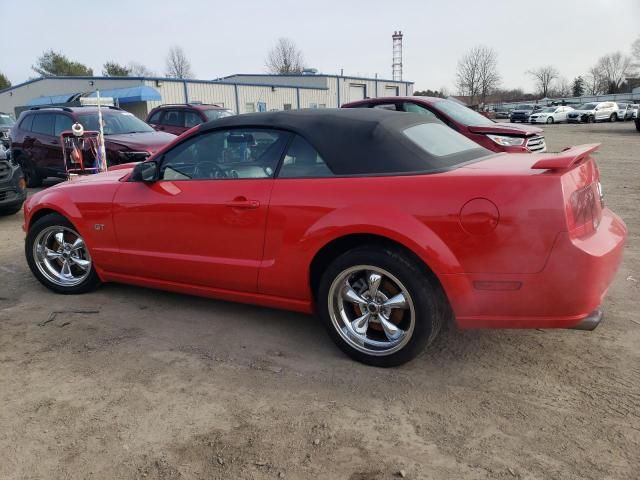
[35, 138]
[177, 119]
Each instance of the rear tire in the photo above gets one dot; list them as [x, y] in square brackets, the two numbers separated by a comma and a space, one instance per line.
[58, 256]
[404, 310]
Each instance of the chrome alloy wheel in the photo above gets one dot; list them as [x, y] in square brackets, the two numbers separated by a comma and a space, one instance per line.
[371, 310]
[62, 256]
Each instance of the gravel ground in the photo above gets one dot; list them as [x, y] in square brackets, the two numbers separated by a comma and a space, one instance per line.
[155, 385]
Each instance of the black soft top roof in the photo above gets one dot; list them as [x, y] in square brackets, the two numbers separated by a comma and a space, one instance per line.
[351, 141]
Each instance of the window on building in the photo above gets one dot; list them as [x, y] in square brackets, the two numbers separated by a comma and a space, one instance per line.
[225, 154]
[303, 161]
[313, 105]
[262, 107]
[249, 107]
[44, 124]
[287, 106]
[322, 105]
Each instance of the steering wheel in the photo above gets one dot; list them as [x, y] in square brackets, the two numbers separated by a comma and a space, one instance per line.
[208, 170]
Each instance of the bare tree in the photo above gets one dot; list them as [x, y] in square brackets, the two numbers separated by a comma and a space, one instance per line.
[284, 57]
[543, 77]
[137, 69]
[594, 83]
[177, 64]
[635, 54]
[477, 75]
[489, 76]
[562, 88]
[614, 69]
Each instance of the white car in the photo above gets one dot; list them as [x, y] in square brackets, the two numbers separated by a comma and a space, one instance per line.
[635, 111]
[594, 112]
[551, 115]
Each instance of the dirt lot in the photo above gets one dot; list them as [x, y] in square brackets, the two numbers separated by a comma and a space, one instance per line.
[163, 386]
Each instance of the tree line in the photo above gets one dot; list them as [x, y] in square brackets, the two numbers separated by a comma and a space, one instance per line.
[285, 57]
[477, 77]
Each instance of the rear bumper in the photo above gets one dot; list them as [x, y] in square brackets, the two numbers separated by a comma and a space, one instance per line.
[567, 293]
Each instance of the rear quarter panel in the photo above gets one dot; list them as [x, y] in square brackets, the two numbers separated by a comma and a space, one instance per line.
[419, 212]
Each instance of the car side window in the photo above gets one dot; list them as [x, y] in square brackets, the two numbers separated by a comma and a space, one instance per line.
[386, 106]
[415, 108]
[155, 118]
[191, 119]
[62, 123]
[225, 154]
[27, 123]
[173, 118]
[303, 161]
[44, 124]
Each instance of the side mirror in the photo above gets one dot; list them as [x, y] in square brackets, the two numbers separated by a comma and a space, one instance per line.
[145, 172]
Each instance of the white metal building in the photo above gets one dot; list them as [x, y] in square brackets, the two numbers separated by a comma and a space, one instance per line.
[241, 93]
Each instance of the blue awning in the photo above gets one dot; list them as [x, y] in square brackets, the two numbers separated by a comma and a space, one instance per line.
[119, 95]
[142, 93]
[50, 100]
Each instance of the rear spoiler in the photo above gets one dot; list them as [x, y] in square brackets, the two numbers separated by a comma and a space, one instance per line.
[566, 159]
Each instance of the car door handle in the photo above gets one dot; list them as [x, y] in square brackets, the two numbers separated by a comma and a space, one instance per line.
[243, 203]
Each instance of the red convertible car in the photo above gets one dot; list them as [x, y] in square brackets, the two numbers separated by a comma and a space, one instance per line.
[386, 224]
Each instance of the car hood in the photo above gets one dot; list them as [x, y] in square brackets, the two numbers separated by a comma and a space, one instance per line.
[140, 142]
[506, 129]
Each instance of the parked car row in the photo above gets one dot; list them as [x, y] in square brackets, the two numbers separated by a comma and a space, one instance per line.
[585, 113]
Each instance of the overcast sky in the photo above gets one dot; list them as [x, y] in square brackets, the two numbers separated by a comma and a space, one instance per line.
[226, 37]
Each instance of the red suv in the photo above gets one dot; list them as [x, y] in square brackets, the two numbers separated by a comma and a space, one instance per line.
[495, 136]
[177, 119]
[35, 138]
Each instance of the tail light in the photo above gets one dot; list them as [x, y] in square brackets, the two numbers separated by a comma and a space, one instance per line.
[586, 210]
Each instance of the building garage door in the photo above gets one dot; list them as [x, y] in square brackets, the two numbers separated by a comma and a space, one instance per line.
[357, 91]
[391, 91]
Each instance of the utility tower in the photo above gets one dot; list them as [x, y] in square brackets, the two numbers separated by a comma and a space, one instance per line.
[397, 55]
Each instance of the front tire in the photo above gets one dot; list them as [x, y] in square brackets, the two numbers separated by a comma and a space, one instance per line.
[550, 120]
[613, 117]
[58, 256]
[380, 306]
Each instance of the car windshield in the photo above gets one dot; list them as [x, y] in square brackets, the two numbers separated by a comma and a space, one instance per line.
[114, 123]
[524, 107]
[587, 106]
[6, 120]
[549, 110]
[214, 114]
[462, 114]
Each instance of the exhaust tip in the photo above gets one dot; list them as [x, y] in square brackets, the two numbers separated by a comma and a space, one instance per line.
[590, 322]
